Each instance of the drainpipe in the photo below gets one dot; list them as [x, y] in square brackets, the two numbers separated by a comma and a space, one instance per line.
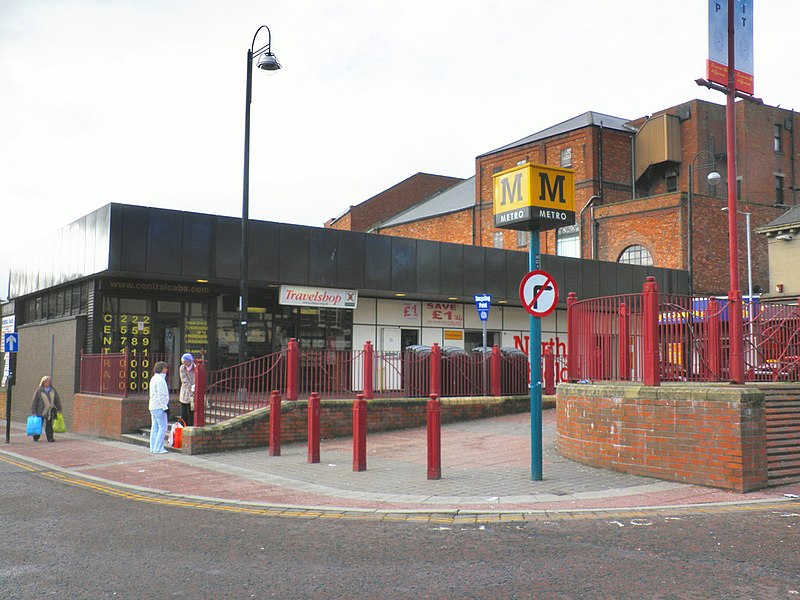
[794, 179]
[590, 203]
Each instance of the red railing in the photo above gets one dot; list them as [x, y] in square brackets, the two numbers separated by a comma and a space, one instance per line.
[652, 337]
[416, 373]
[241, 388]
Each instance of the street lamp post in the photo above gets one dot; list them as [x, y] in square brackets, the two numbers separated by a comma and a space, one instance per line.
[713, 178]
[269, 62]
[749, 274]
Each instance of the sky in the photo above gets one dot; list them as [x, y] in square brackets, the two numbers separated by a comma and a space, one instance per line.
[142, 101]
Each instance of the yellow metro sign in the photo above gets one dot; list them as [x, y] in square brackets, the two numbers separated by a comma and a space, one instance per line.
[534, 197]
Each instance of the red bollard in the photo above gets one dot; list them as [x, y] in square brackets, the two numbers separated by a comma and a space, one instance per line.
[360, 434]
[292, 365]
[275, 424]
[549, 371]
[313, 428]
[434, 420]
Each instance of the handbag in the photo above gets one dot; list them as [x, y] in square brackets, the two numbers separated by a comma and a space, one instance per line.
[176, 434]
[58, 424]
[34, 426]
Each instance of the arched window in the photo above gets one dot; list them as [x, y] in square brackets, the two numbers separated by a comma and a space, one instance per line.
[636, 255]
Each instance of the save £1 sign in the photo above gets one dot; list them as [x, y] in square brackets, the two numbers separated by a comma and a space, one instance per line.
[442, 314]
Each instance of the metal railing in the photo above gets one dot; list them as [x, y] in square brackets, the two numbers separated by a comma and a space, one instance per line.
[652, 337]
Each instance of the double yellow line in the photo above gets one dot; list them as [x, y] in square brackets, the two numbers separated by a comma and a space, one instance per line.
[433, 517]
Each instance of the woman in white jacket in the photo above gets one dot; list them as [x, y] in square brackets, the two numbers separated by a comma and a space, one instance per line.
[159, 402]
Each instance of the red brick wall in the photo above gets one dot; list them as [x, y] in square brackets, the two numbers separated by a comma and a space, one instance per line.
[393, 200]
[111, 416]
[714, 437]
[455, 227]
[336, 420]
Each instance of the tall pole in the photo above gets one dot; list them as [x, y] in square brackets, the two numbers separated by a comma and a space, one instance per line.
[689, 229]
[735, 329]
[750, 313]
[245, 209]
[535, 356]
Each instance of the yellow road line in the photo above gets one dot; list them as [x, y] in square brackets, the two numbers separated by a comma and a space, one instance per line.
[434, 517]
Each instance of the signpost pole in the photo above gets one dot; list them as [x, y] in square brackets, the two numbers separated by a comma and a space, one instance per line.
[12, 357]
[534, 354]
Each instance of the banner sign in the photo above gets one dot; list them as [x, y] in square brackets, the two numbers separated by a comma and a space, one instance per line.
[717, 64]
[298, 295]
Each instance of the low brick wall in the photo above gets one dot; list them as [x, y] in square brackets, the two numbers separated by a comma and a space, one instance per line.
[707, 435]
[111, 416]
[336, 420]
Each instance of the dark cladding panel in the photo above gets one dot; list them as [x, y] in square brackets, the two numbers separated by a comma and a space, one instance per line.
[495, 272]
[474, 270]
[324, 257]
[116, 228]
[294, 259]
[229, 247]
[557, 267]
[378, 257]
[352, 265]
[591, 280]
[608, 284]
[264, 252]
[164, 235]
[404, 265]
[516, 267]
[451, 268]
[198, 245]
[134, 245]
[624, 279]
[428, 256]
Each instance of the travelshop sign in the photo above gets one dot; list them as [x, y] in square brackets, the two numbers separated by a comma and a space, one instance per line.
[298, 295]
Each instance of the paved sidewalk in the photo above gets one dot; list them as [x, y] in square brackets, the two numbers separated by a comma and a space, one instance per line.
[485, 467]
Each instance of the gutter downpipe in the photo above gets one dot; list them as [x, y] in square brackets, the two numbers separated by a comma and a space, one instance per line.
[590, 203]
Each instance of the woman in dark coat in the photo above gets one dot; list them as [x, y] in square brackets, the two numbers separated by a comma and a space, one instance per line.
[47, 404]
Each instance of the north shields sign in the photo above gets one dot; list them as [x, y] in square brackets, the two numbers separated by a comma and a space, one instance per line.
[532, 196]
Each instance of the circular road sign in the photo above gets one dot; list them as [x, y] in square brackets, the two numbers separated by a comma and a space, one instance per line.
[539, 293]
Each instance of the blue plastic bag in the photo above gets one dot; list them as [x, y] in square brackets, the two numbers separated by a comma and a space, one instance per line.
[34, 425]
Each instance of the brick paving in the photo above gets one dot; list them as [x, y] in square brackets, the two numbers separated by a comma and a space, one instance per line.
[485, 467]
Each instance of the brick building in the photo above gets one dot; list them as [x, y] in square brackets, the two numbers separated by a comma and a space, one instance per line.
[633, 194]
[389, 202]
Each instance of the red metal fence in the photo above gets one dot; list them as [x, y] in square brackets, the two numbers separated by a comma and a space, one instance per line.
[417, 372]
[652, 337]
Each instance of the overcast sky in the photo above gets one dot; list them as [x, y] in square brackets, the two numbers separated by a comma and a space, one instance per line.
[142, 101]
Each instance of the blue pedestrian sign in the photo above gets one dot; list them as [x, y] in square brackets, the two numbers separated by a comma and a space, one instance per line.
[10, 342]
[483, 303]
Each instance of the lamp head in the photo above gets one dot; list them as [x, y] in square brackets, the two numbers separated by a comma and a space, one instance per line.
[714, 178]
[269, 62]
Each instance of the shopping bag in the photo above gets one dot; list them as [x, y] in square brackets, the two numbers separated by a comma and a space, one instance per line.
[176, 434]
[58, 424]
[34, 425]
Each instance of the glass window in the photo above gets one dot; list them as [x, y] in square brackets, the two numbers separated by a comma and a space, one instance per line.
[636, 255]
[672, 183]
[497, 237]
[778, 189]
[522, 239]
[776, 141]
[568, 242]
[566, 157]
